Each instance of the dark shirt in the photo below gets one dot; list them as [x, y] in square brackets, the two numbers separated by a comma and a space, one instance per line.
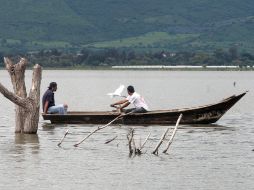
[48, 96]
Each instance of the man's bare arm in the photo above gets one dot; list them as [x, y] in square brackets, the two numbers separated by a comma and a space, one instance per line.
[125, 105]
[119, 102]
[46, 106]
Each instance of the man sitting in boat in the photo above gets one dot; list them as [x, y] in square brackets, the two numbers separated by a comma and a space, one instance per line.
[133, 98]
[48, 101]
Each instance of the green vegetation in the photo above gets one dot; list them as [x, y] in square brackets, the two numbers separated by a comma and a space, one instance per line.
[170, 25]
[154, 39]
[106, 58]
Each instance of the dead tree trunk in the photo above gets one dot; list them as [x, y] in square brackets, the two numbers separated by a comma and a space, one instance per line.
[27, 107]
[17, 74]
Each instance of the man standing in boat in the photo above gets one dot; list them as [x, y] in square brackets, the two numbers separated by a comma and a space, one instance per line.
[132, 98]
[48, 101]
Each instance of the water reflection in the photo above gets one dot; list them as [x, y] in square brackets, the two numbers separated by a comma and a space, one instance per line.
[47, 126]
[216, 127]
[27, 141]
[26, 138]
[50, 126]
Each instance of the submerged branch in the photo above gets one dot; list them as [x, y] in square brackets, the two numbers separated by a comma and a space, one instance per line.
[100, 128]
[173, 134]
[110, 140]
[163, 137]
[66, 133]
[142, 146]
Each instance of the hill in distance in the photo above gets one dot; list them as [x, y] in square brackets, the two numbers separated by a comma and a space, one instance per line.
[176, 25]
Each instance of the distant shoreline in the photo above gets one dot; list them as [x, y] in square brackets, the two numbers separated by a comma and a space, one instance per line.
[151, 68]
[182, 68]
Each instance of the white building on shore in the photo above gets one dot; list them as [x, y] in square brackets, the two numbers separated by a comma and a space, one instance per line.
[173, 67]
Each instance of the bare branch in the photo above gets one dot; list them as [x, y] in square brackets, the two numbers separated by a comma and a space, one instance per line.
[66, 133]
[163, 137]
[142, 146]
[129, 137]
[8, 64]
[173, 134]
[17, 74]
[13, 98]
[110, 140]
[98, 128]
[160, 142]
[101, 127]
[36, 82]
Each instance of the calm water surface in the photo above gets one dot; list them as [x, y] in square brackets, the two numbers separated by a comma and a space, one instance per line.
[219, 156]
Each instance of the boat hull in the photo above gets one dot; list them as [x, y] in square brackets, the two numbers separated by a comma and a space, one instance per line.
[198, 115]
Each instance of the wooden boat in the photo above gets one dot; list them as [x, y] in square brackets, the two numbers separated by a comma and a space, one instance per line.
[197, 115]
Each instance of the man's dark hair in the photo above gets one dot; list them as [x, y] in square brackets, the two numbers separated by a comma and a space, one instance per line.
[130, 89]
[52, 85]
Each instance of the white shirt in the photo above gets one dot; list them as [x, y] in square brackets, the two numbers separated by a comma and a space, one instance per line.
[138, 101]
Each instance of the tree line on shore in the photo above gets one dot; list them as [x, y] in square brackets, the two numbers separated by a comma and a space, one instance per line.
[108, 57]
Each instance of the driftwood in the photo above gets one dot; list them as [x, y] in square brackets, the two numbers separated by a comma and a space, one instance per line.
[132, 145]
[27, 107]
[143, 145]
[100, 128]
[173, 134]
[163, 137]
[110, 140]
[129, 138]
[66, 133]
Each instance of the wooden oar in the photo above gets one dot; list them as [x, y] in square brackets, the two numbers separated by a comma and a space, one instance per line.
[99, 128]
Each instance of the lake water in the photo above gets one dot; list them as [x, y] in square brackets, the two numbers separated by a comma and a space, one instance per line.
[218, 156]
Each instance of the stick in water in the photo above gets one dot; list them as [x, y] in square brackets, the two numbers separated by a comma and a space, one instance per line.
[142, 146]
[99, 128]
[110, 140]
[67, 131]
[161, 140]
[129, 137]
[173, 134]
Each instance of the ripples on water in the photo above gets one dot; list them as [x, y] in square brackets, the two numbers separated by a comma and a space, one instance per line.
[216, 156]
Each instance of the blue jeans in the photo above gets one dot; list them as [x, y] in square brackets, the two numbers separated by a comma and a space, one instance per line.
[57, 109]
